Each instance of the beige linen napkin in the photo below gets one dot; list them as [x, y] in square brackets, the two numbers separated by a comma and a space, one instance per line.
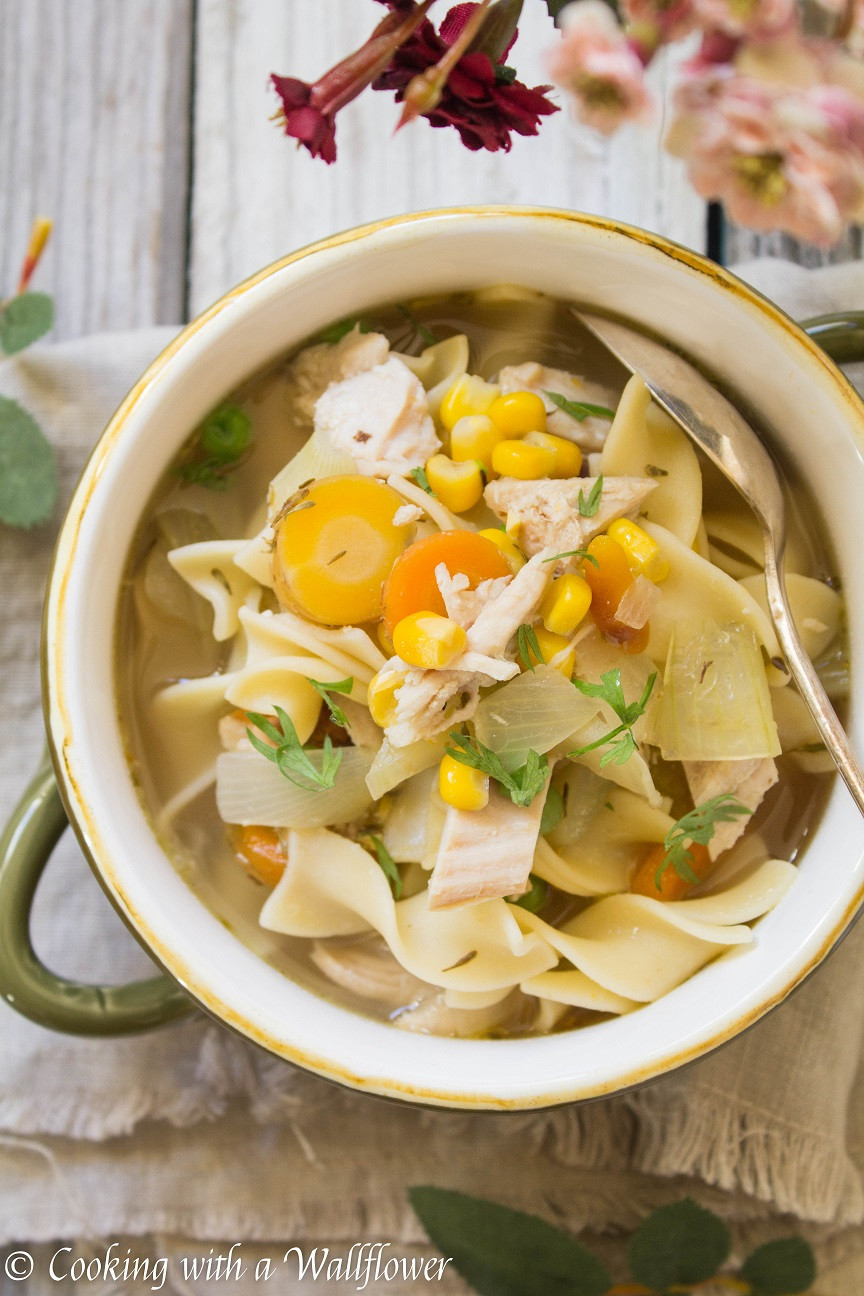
[192, 1132]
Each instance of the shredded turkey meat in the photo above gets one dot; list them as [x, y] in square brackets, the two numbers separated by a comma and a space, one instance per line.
[380, 417]
[316, 367]
[748, 780]
[485, 854]
[548, 510]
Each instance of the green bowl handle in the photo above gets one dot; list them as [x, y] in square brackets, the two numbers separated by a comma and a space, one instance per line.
[31, 989]
[841, 335]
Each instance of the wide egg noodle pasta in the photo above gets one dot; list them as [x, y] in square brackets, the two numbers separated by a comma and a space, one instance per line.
[184, 719]
[438, 368]
[641, 948]
[697, 590]
[282, 682]
[633, 775]
[432, 507]
[817, 609]
[644, 441]
[601, 860]
[210, 569]
[349, 649]
[332, 886]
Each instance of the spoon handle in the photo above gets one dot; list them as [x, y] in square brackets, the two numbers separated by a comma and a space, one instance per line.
[809, 684]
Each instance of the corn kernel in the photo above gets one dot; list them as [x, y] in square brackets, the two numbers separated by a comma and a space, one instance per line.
[461, 786]
[428, 641]
[526, 462]
[475, 437]
[507, 545]
[567, 457]
[644, 555]
[516, 413]
[381, 696]
[565, 603]
[458, 485]
[550, 645]
[470, 395]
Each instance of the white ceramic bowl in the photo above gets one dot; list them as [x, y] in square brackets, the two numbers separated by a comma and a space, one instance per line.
[751, 346]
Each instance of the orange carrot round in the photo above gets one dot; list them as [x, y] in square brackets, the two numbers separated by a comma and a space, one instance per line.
[672, 885]
[411, 586]
[260, 852]
[609, 581]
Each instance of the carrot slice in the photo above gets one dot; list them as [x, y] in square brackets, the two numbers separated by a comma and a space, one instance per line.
[260, 852]
[411, 586]
[672, 885]
[609, 580]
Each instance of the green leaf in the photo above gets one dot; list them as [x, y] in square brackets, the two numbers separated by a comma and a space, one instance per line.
[588, 507]
[418, 475]
[698, 825]
[28, 469]
[553, 810]
[679, 1244]
[555, 7]
[579, 410]
[340, 686]
[426, 336]
[780, 1268]
[336, 332]
[521, 785]
[528, 648]
[24, 319]
[288, 754]
[575, 553]
[503, 1252]
[388, 866]
[535, 897]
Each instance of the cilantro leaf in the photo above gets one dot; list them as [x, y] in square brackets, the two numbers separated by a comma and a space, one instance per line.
[24, 319]
[588, 507]
[28, 469]
[697, 826]
[334, 333]
[553, 810]
[419, 476]
[426, 336]
[339, 686]
[521, 785]
[388, 866]
[288, 754]
[609, 690]
[526, 645]
[579, 410]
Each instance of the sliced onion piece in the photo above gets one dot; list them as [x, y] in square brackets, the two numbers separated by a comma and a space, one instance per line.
[533, 712]
[251, 790]
[393, 765]
[715, 703]
[316, 459]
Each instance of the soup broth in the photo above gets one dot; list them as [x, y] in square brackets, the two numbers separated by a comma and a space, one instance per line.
[462, 954]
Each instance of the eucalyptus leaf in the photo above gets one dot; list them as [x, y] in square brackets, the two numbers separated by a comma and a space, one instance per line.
[679, 1244]
[503, 1252]
[24, 319]
[780, 1268]
[28, 469]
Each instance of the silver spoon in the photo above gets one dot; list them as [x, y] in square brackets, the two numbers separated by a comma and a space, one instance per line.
[718, 428]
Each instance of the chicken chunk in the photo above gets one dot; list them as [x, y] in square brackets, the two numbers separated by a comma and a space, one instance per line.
[380, 417]
[316, 367]
[485, 854]
[748, 780]
[502, 616]
[549, 509]
[464, 605]
[589, 434]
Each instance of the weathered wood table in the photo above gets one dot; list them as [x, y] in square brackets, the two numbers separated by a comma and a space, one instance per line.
[142, 127]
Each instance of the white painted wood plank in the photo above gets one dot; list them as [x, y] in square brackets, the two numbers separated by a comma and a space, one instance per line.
[94, 104]
[257, 197]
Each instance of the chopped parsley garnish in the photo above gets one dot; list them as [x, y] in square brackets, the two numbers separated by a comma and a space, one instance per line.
[289, 755]
[521, 785]
[697, 826]
[338, 686]
[223, 440]
[575, 553]
[609, 690]
[579, 410]
[535, 897]
[418, 475]
[388, 866]
[553, 810]
[528, 648]
[336, 332]
[588, 507]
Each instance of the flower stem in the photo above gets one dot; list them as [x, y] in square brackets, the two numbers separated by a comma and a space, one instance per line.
[423, 93]
[349, 78]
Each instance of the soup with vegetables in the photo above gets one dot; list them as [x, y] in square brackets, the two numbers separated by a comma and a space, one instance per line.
[449, 681]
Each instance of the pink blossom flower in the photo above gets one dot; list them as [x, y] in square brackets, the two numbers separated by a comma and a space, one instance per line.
[777, 156]
[664, 20]
[599, 67]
